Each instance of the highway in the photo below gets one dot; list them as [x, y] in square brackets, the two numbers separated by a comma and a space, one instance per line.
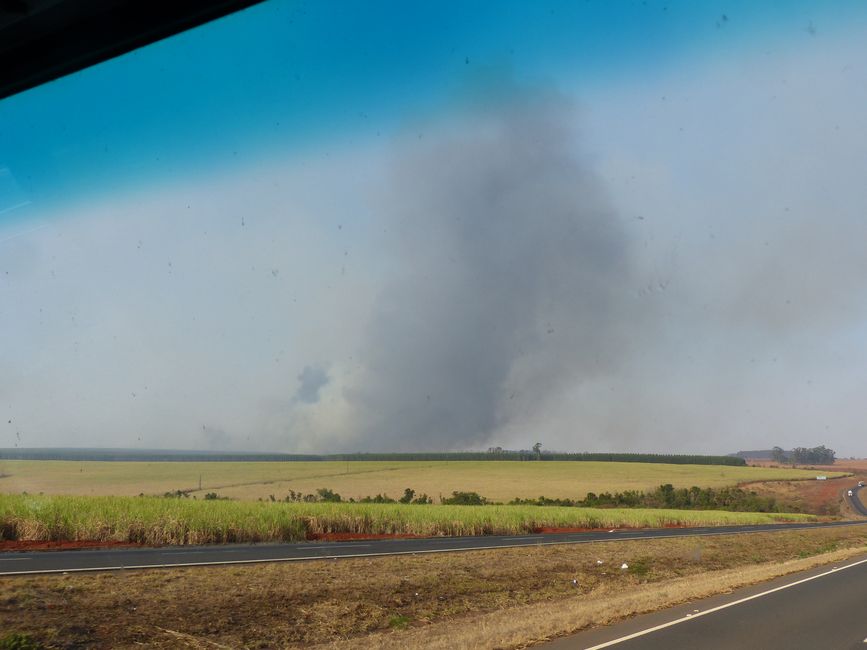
[114, 559]
[855, 500]
[822, 608]
[825, 607]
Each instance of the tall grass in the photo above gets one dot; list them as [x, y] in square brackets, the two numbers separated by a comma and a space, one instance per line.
[155, 520]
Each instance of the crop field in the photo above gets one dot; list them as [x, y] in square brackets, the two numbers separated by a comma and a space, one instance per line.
[496, 480]
[156, 520]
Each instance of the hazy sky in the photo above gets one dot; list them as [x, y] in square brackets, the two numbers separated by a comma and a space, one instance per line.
[606, 226]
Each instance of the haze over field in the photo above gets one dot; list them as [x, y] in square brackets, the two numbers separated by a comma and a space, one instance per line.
[650, 241]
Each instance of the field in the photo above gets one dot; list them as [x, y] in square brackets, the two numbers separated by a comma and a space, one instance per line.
[159, 520]
[855, 466]
[815, 497]
[506, 598]
[496, 480]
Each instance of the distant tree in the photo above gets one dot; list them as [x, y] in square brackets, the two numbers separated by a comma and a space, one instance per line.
[537, 449]
[464, 499]
[778, 455]
[408, 495]
[820, 455]
[328, 495]
[823, 455]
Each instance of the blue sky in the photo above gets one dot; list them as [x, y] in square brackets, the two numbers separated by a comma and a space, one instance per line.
[350, 226]
[283, 77]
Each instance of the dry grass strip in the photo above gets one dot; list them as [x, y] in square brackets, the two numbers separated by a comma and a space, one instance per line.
[519, 627]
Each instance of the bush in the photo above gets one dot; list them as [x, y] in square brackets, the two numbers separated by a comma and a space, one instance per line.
[379, 498]
[408, 495]
[465, 499]
[16, 641]
[328, 495]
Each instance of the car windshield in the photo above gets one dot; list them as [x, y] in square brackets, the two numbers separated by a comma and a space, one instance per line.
[318, 227]
[361, 235]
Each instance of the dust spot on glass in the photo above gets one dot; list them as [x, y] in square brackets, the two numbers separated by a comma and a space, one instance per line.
[811, 28]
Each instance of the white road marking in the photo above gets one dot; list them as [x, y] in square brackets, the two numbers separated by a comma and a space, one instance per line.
[692, 617]
[15, 559]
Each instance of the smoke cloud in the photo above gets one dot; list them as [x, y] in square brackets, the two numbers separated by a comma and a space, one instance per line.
[312, 380]
[509, 273]
[491, 277]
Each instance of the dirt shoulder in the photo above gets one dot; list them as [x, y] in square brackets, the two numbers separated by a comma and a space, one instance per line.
[403, 601]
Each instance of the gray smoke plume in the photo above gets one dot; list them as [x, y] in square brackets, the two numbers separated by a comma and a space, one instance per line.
[509, 276]
[312, 380]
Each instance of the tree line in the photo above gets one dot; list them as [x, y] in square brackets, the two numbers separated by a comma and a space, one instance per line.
[820, 455]
[494, 453]
[667, 496]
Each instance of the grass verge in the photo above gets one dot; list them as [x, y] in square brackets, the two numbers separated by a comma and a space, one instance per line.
[155, 520]
[506, 598]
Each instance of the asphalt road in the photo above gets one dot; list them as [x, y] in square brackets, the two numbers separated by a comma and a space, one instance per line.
[856, 500]
[821, 608]
[24, 563]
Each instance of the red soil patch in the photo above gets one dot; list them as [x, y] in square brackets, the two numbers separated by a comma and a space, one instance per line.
[25, 545]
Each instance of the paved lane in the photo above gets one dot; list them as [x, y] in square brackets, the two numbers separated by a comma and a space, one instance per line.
[15, 563]
[821, 608]
[857, 500]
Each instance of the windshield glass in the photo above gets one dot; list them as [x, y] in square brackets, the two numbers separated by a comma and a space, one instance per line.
[338, 227]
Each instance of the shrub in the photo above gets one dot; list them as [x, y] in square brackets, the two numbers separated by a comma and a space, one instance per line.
[465, 499]
[408, 495]
[17, 641]
[398, 621]
[328, 495]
